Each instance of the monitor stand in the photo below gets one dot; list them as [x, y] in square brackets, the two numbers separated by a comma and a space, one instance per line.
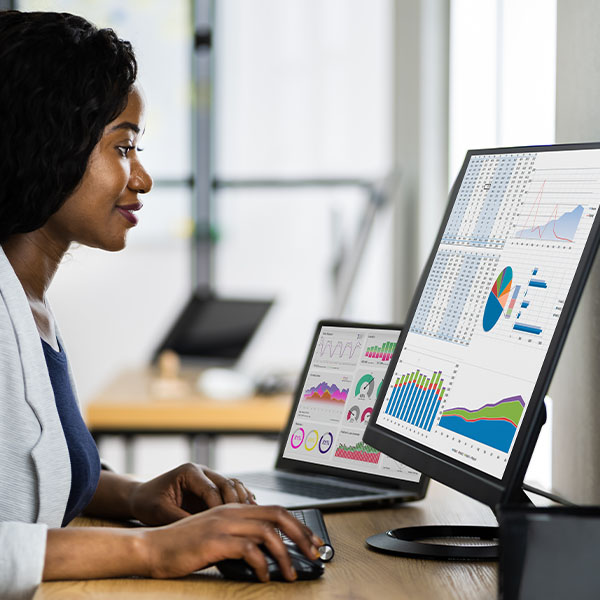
[409, 541]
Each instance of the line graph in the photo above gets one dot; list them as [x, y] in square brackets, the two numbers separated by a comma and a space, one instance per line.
[339, 349]
[556, 228]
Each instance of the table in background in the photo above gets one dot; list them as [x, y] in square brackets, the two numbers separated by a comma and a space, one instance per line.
[355, 572]
[133, 404]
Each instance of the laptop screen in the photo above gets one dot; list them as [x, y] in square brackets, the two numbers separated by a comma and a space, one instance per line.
[335, 400]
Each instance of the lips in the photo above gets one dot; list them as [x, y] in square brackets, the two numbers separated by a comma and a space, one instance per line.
[127, 211]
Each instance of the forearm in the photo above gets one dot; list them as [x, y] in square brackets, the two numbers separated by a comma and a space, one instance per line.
[112, 497]
[94, 552]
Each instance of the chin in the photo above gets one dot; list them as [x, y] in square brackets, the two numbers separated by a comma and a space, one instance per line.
[112, 245]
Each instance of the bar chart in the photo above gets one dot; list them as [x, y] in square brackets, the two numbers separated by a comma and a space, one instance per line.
[383, 352]
[536, 283]
[416, 398]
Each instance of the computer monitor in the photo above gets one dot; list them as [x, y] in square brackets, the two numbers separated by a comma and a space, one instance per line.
[214, 331]
[463, 397]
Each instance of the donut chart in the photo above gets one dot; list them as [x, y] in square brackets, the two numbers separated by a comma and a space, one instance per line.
[297, 438]
[365, 386]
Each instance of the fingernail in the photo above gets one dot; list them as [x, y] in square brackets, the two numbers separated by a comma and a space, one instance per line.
[315, 552]
[317, 541]
[295, 575]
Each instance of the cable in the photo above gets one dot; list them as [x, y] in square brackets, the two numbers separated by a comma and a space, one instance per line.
[549, 495]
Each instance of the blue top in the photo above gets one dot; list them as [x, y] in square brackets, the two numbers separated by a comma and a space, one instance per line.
[85, 461]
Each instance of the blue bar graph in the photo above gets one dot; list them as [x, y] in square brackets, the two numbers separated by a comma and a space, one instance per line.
[538, 283]
[527, 328]
[416, 398]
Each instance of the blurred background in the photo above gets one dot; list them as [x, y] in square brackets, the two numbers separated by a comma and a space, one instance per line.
[301, 150]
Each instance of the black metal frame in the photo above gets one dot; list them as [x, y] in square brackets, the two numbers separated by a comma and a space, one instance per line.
[472, 482]
[419, 488]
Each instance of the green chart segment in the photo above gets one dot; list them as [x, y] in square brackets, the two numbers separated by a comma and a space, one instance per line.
[365, 386]
[494, 425]
[383, 352]
[359, 451]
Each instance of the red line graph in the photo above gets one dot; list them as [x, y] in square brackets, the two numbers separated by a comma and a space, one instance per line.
[541, 229]
[485, 419]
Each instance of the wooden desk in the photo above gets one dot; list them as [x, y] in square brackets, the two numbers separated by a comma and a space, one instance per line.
[355, 572]
[132, 405]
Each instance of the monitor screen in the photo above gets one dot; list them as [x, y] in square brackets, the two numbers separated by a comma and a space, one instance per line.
[335, 400]
[214, 330]
[492, 310]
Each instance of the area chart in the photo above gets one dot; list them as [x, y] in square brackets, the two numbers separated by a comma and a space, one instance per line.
[561, 229]
[359, 451]
[494, 425]
[325, 392]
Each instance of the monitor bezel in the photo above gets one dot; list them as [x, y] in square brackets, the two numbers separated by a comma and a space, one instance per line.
[417, 487]
[451, 472]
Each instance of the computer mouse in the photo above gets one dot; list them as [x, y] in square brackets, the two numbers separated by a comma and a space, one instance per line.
[240, 570]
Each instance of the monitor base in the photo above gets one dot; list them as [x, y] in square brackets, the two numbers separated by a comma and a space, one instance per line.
[404, 542]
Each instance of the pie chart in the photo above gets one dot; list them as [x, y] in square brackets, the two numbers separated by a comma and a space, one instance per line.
[497, 299]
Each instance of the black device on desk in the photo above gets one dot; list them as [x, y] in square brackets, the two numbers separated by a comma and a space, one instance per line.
[214, 331]
[463, 400]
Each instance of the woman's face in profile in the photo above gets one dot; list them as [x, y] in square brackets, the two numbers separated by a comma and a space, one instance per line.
[103, 207]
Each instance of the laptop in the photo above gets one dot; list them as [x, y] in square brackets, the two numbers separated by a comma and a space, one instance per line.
[212, 331]
[322, 460]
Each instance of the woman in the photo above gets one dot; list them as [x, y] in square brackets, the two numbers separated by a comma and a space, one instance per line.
[71, 117]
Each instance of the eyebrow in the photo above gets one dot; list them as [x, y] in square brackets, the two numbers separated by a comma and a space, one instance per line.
[126, 125]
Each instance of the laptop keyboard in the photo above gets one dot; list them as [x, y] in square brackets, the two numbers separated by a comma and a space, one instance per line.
[321, 490]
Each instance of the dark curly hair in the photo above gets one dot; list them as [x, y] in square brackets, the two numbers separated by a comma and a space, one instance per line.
[62, 80]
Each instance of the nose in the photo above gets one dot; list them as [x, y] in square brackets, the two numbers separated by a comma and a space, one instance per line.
[140, 180]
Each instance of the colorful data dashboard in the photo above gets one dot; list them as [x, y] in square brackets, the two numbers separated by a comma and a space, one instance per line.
[345, 374]
[491, 303]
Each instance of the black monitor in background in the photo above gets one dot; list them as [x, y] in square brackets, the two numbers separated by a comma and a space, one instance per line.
[463, 397]
[214, 331]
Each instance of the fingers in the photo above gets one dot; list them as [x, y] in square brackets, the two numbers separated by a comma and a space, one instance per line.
[278, 517]
[263, 532]
[232, 490]
[255, 557]
[197, 482]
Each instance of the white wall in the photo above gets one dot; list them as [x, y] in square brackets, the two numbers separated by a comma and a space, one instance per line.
[576, 451]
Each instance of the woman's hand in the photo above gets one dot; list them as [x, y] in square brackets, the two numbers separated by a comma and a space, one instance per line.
[227, 531]
[186, 490]
[230, 531]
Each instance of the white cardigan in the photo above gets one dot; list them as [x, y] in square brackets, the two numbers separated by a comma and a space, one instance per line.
[35, 470]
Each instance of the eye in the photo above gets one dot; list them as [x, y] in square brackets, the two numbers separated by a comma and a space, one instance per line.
[125, 150]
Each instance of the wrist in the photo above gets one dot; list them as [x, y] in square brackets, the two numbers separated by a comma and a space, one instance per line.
[141, 549]
[131, 489]
[114, 497]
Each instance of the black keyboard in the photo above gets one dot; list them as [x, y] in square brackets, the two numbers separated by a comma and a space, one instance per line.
[313, 519]
[321, 490]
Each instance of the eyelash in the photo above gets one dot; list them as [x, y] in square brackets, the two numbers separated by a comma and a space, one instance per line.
[125, 150]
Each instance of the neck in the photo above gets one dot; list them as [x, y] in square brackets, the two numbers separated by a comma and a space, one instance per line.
[35, 258]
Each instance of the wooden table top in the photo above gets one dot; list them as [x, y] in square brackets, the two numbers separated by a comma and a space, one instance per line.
[137, 399]
[354, 573]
